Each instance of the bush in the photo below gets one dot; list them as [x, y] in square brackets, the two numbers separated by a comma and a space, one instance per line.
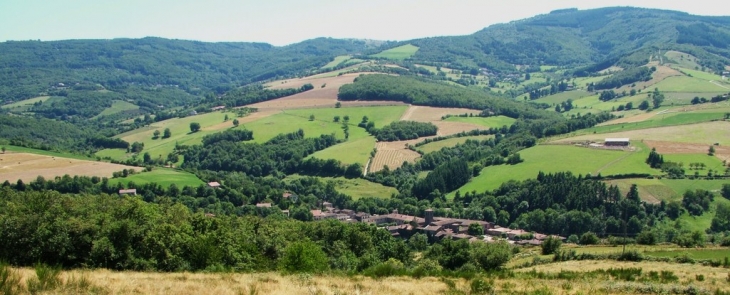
[589, 238]
[392, 267]
[480, 286]
[303, 257]
[550, 245]
[646, 237]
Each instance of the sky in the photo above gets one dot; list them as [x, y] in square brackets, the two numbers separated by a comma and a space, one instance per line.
[282, 22]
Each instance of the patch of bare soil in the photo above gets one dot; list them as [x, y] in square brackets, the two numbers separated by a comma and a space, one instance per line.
[669, 147]
[28, 167]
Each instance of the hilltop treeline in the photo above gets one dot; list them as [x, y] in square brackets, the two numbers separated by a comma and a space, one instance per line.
[46, 134]
[129, 234]
[419, 91]
[404, 130]
[253, 94]
[624, 77]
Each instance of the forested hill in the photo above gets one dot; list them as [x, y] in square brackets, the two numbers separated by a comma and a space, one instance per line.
[571, 37]
[28, 68]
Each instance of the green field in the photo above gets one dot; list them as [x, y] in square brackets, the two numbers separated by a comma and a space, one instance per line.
[398, 53]
[558, 158]
[714, 254]
[581, 83]
[356, 188]
[710, 162]
[180, 129]
[700, 74]
[703, 221]
[19, 149]
[118, 106]
[496, 121]
[563, 96]
[26, 102]
[291, 121]
[682, 59]
[337, 61]
[438, 145]
[353, 151]
[162, 176]
[687, 84]
[667, 119]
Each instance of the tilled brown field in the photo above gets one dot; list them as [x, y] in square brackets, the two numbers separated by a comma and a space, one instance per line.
[28, 167]
[393, 154]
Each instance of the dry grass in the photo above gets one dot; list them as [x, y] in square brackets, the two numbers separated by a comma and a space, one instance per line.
[317, 97]
[393, 154]
[109, 282]
[668, 147]
[432, 114]
[28, 167]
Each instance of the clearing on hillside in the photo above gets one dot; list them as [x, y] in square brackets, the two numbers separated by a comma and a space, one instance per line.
[28, 167]
[25, 103]
[398, 53]
[661, 74]
[118, 106]
[356, 187]
[438, 145]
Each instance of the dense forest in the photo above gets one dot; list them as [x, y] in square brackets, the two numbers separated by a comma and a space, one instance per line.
[603, 36]
[32, 67]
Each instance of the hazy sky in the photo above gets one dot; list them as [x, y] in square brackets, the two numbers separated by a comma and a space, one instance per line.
[282, 22]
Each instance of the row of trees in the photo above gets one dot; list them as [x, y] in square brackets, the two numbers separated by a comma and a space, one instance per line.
[403, 130]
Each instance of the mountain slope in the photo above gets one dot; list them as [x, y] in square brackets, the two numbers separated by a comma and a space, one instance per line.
[574, 37]
[28, 68]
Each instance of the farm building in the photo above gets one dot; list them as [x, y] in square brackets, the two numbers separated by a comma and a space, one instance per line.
[131, 191]
[616, 142]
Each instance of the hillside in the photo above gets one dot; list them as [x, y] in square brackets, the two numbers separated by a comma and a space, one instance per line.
[571, 37]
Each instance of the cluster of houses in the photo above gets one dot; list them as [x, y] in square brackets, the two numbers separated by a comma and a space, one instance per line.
[436, 228]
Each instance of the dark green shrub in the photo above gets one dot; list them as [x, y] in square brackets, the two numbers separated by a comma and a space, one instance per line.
[550, 245]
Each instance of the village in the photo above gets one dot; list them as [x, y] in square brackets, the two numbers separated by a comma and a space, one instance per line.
[435, 228]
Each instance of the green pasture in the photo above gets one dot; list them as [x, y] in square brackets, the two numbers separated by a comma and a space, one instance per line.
[666, 119]
[685, 98]
[700, 74]
[20, 149]
[323, 123]
[118, 106]
[703, 254]
[495, 121]
[438, 145]
[563, 96]
[356, 150]
[711, 162]
[547, 68]
[582, 82]
[556, 158]
[356, 188]
[180, 129]
[25, 103]
[336, 61]
[162, 176]
[633, 162]
[688, 84]
[682, 59]
[398, 53]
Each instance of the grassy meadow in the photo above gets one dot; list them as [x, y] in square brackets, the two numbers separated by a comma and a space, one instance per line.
[336, 61]
[688, 84]
[559, 158]
[438, 145]
[162, 176]
[496, 121]
[563, 96]
[356, 150]
[25, 102]
[356, 188]
[20, 149]
[397, 53]
[118, 106]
